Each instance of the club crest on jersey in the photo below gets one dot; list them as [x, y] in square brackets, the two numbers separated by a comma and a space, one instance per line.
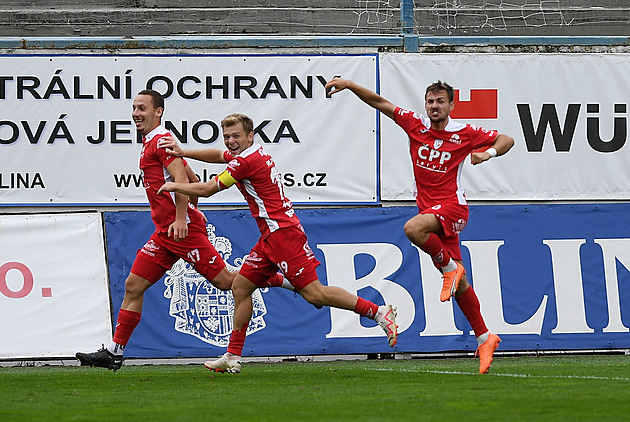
[459, 225]
[200, 309]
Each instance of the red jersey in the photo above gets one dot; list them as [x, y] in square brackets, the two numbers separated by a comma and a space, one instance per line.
[153, 164]
[260, 182]
[438, 155]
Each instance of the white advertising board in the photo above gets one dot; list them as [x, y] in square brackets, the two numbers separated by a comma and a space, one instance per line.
[66, 123]
[54, 298]
[568, 114]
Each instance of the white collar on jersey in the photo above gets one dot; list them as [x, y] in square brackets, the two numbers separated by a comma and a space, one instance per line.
[250, 150]
[454, 125]
[160, 130]
[451, 126]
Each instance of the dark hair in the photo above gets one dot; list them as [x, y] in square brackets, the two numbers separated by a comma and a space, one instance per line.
[156, 98]
[235, 118]
[441, 86]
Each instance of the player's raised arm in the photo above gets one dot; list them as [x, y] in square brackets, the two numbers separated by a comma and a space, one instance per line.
[371, 98]
[209, 155]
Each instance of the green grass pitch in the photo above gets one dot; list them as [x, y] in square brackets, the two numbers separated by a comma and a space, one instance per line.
[523, 388]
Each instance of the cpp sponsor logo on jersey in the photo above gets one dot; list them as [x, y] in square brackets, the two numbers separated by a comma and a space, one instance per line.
[433, 159]
[200, 309]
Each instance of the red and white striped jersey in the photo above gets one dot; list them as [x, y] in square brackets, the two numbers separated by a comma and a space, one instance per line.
[438, 155]
[260, 182]
[153, 164]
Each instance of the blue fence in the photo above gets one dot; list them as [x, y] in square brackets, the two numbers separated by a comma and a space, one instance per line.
[548, 277]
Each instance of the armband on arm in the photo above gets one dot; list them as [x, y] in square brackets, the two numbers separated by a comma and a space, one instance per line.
[224, 180]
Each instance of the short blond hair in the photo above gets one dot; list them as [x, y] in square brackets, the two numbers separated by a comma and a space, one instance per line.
[235, 118]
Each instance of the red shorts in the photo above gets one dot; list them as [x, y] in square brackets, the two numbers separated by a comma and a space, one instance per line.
[286, 249]
[453, 217]
[160, 253]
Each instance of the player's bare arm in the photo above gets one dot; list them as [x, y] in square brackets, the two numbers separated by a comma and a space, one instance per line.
[192, 178]
[179, 228]
[371, 98]
[502, 144]
[197, 189]
[209, 155]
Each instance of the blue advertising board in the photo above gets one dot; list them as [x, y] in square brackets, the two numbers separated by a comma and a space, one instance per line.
[548, 277]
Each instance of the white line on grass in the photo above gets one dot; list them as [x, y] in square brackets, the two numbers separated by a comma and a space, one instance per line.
[427, 371]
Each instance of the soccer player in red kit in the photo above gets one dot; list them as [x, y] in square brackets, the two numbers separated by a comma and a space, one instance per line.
[438, 147]
[282, 245]
[180, 232]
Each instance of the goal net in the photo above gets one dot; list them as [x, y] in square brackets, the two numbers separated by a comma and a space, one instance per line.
[311, 18]
[522, 17]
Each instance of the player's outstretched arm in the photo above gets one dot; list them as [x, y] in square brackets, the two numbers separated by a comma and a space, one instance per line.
[371, 98]
[195, 189]
[209, 155]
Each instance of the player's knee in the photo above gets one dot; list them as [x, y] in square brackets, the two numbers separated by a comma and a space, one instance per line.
[414, 230]
[224, 280]
[242, 287]
[417, 231]
[133, 288]
[223, 285]
[409, 229]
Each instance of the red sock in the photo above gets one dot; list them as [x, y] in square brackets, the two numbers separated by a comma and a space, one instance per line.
[366, 308]
[469, 304]
[433, 246]
[127, 322]
[237, 340]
